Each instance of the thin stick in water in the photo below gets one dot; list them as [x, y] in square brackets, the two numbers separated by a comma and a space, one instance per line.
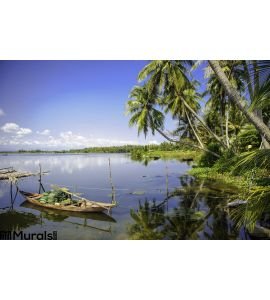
[167, 180]
[113, 189]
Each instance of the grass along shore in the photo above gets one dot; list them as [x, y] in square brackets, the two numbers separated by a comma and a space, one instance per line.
[213, 174]
[175, 154]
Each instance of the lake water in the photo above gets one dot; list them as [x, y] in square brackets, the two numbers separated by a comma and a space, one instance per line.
[151, 204]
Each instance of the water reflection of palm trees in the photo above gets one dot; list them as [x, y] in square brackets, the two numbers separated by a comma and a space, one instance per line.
[148, 220]
[199, 213]
[152, 223]
[184, 224]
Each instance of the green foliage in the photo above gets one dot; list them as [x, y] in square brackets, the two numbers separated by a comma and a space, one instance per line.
[208, 159]
[57, 195]
[226, 162]
[248, 161]
[141, 108]
[247, 138]
[262, 96]
[256, 210]
[165, 146]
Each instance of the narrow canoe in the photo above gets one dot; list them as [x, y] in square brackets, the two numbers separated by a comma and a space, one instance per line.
[82, 206]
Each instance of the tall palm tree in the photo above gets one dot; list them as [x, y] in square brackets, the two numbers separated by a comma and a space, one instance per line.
[257, 78]
[165, 74]
[142, 107]
[144, 114]
[238, 101]
[168, 78]
[219, 103]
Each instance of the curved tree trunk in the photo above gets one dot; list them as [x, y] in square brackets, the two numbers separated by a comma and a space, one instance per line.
[186, 143]
[235, 97]
[203, 124]
[227, 125]
[195, 133]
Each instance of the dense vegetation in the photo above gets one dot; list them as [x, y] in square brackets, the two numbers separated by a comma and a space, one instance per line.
[165, 146]
[232, 128]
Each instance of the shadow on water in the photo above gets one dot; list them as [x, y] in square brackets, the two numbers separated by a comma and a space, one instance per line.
[194, 211]
[13, 220]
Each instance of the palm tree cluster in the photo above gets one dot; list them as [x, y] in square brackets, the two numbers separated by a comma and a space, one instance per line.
[233, 123]
[238, 95]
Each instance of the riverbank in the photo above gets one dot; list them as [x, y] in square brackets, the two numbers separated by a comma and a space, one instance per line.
[213, 174]
[189, 155]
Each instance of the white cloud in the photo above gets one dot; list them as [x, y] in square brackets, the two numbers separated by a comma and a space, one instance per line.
[24, 131]
[2, 113]
[10, 128]
[65, 140]
[44, 132]
[15, 129]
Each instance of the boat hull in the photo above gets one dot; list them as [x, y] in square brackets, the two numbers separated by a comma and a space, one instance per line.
[87, 207]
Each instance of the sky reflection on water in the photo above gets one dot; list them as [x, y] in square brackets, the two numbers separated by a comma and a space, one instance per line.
[191, 210]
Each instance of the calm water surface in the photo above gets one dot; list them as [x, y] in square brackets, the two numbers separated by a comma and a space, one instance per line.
[148, 207]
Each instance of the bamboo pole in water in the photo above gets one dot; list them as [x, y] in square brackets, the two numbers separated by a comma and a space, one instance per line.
[167, 185]
[113, 189]
[167, 180]
[39, 178]
[40, 182]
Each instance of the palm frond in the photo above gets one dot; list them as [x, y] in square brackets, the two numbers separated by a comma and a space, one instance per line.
[261, 97]
[250, 160]
[250, 213]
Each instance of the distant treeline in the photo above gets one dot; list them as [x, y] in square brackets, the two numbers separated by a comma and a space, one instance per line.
[112, 149]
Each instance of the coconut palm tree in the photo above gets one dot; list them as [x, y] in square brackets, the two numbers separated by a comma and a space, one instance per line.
[142, 107]
[219, 104]
[169, 81]
[238, 100]
[165, 74]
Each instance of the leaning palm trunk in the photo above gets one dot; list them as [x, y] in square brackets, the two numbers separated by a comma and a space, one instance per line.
[235, 97]
[195, 133]
[186, 143]
[227, 126]
[257, 111]
[265, 144]
[203, 124]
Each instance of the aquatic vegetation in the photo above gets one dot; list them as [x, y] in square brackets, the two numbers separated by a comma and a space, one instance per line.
[138, 193]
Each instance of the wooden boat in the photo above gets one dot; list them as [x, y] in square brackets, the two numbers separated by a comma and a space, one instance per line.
[59, 215]
[81, 206]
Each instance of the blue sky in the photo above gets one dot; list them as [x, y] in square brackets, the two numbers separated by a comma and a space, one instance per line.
[68, 104]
